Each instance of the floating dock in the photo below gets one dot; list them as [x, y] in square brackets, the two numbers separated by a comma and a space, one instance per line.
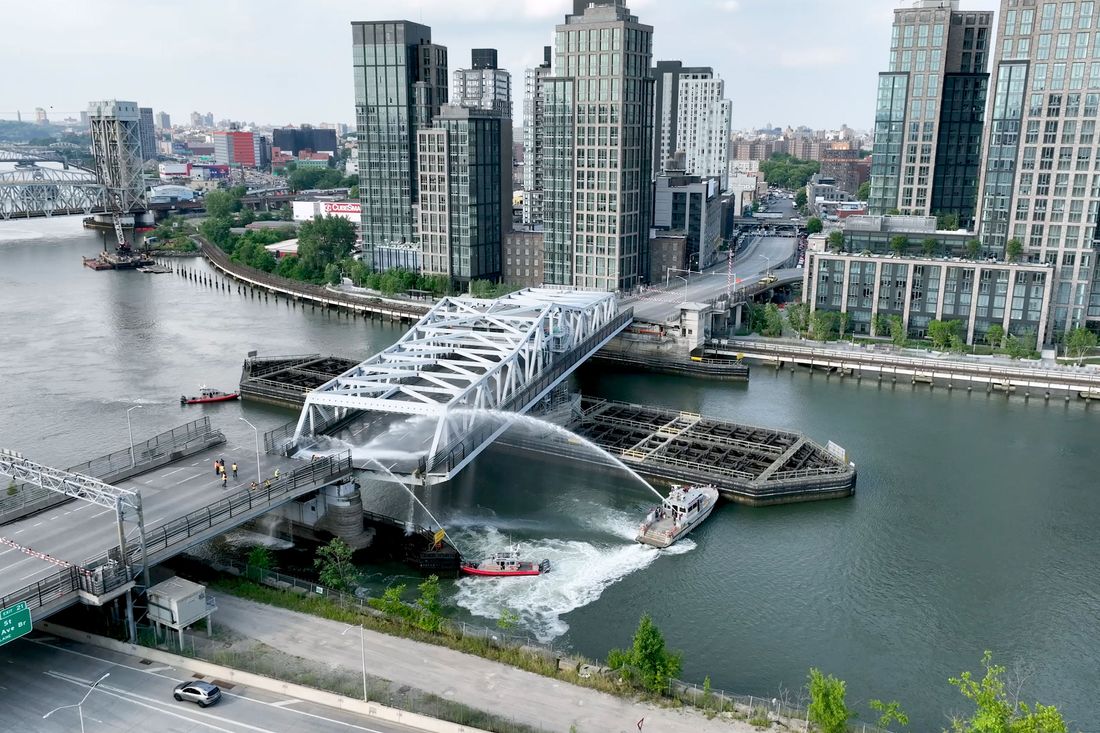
[749, 464]
[285, 380]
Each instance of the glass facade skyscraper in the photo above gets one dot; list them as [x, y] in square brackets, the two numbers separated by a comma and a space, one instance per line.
[1040, 181]
[930, 112]
[400, 83]
[465, 174]
[598, 149]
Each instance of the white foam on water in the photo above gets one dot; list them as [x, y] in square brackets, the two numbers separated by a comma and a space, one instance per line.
[580, 572]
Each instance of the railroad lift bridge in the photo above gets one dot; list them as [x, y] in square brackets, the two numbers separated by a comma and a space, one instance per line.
[466, 356]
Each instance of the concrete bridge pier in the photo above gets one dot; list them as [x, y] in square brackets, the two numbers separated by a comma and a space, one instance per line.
[344, 514]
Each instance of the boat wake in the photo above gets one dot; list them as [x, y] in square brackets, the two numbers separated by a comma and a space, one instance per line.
[582, 570]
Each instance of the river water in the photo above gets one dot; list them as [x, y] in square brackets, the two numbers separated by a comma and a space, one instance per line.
[974, 525]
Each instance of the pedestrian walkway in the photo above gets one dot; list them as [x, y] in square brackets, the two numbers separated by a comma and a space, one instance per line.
[538, 701]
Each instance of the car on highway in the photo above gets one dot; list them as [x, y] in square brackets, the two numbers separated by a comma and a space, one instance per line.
[197, 691]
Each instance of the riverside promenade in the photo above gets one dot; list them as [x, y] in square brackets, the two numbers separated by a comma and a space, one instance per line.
[541, 702]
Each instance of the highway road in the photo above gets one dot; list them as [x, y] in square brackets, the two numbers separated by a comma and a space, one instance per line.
[661, 305]
[78, 530]
[661, 302]
[42, 673]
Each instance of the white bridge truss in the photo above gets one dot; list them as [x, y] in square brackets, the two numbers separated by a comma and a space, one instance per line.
[466, 355]
[32, 190]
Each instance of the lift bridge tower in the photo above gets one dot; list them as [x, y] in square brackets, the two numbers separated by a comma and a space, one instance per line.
[116, 146]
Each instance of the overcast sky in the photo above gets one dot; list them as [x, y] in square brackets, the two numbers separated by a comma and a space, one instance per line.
[787, 62]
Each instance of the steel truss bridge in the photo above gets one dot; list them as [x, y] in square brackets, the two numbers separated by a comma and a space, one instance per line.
[464, 357]
[31, 190]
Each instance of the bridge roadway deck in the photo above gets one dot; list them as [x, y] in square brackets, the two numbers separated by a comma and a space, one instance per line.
[78, 532]
[662, 304]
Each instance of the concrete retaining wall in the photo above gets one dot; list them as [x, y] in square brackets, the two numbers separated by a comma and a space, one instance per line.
[370, 709]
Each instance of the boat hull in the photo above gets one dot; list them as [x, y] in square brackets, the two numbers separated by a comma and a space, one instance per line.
[205, 400]
[499, 573]
[655, 536]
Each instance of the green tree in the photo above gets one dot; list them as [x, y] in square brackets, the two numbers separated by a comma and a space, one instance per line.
[261, 557]
[216, 231]
[392, 603]
[899, 243]
[844, 319]
[835, 240]
[889, 712]
[995, 711]
[773, 321]
[947, 222]
[429, 609]
[787, 171]
[334, 566]
[220, 204]
[648, 656]
[814, 225]
[508, 619]
[353, 192]
[897, 330]
[1079, 342]
[880, 325]
[995, 336]
[1014, 248]
[797, 316]
[828, 708]
[321, 242]
[800, 197]
[929, 246]
[941, 332]
[974, 249]
[864, 192]
[824, 324]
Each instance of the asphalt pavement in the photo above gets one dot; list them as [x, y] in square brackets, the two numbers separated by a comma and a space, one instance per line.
[661, 304]
[78, 530]
[541, 702]
[39, 675]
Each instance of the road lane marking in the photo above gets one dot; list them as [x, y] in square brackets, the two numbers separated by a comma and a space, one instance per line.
[42, 642]
[183, 481]
[105, 511]
[284, 703]
[36, 525]
[159, 669]
[82, 506]
[182, 468]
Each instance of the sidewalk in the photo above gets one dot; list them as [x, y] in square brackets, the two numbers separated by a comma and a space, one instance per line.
[480, 683]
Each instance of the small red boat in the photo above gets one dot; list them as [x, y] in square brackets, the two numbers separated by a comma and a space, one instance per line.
[209, 395]
[504, 564]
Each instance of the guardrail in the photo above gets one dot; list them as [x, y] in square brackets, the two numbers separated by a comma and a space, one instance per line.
[315, 293]
[1068, 375]
[108, 570]
[118, 462]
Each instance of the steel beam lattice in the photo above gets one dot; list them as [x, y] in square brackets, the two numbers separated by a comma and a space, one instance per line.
[31, 190]
[465, 354]
[75, 485]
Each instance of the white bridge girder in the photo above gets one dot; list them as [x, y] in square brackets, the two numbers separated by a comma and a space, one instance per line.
[34, 190]
[465, 354]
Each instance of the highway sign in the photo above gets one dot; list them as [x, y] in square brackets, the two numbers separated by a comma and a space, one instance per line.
[15, 621]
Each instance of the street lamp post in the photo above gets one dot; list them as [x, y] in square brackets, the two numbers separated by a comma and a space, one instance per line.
[362, 653]
[259, 476]
[79, 709]
[130, 430]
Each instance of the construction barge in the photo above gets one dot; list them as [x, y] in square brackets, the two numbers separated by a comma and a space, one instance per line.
[750, 465]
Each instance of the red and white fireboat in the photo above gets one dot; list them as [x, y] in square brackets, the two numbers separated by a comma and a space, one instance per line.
[506, 563]
[206, 394]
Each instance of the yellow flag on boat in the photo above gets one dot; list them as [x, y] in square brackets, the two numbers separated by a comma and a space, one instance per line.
[439, 535]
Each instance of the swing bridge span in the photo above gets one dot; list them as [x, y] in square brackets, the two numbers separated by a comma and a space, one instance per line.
[466, 356]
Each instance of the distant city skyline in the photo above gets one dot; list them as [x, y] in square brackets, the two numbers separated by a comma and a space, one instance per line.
[785, 62]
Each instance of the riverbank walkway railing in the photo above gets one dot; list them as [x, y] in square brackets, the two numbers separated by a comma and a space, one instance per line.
[298, 290]
[1068, 379]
